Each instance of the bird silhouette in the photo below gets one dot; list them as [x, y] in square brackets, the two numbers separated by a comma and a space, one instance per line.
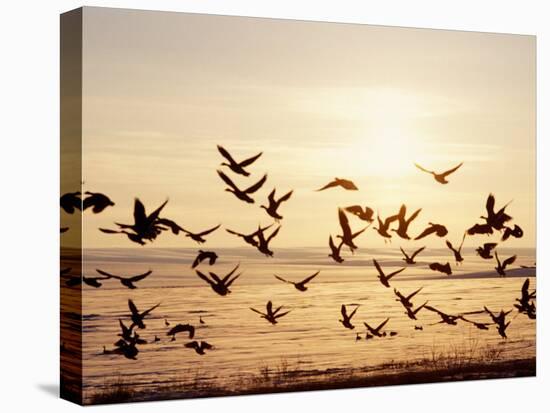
[445, 318]
[138, 317]
[250, 239]
[384, 225]
[515, 232]
[271, 315]
[441, 177]
[457, 251]
[126, 281]
[346, 319]
[444, 268]
[501, 266]
[125, 332]
[406, 300]
[220, 285]
[199, 347]
[165, 224]
[274, 204]
[410, 259]
[301, 285]
[335, 250]
[500, 321]
[243, 195]
[344, 183]
[525, 305]
[478, 325]
[404, 223]
[182, 328]
[237, 167]
[482, 229]
[74, 280]
[377, 332]
[495, 219]
[366, 214]
[485, 251]
[263, 242]
[205, 255]
[97, 201]
[412, 313]
[436, 229]
[347, 236]
[199, 237]
[71, 202]
[166, 323]
[384, 279]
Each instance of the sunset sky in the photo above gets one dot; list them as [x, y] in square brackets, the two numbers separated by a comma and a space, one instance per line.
[320, 100]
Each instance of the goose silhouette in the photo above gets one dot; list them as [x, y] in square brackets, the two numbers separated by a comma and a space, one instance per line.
[404, 223]
[457, 251]
[343, 183]
[347, 236]
[444, 268]
[366, 214]
[237, 167]
[335, 250]
[501, 266]
[137, 316]
[436, 229]
[384, 279]
[301, 285]
[220, 285]
[409, 259]
[271, 315]
[205, 255]
[377, 332]
[199, 347]
[440, 177]
[346, 319]
[274, 204]
[199, 237]
[243, 195]
[485, 251]
[406, 300]
[250, 239]
[182, 328]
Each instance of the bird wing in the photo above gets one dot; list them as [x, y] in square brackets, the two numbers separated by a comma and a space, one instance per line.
[331, 184]
[230, 273]
[256, 186]
[132, 307]
[273, 234]
[250, 160]
[257, 311]
[426, 232]
[139, 211]
[271, 197]
[450, 171]
[423, 169]
[232, 280]
[226, 154]
[208, 231]
[378, 268]
[204, 277]
[282, 314]
[344, 311]
[149, 310]
[192, 344]
[462, 243]
[107, 274]
[347, 184]
[509, 261]
[139, 277]
[171, 224]
[344, 223]
[155, 214]
[411, 295]
[285, 197]
[490, 204]
[450, 246]
[525, 288]
[354, 209]
[418, 251]
[235, 233]
[353, 312]
[414, 215]
[382, 324]
[394, 273]
[311, 277]
[205, 345]
[228, 181]
[404, 253]
[282, 279]
[433, 309]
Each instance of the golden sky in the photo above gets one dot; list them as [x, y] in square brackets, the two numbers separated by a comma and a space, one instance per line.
[160, 90]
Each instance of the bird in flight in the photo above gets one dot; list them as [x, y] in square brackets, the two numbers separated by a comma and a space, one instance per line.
[441, 177]
[366, 214]
[97, 201]
[515, 232]
[335, 250]
[74, 280]
[525, 302]
[500, 321]
[479, 326]
[263, 242]
[243, 195]
[126, 281]
[198, 237]
[482, 229]
[344, 183]
[495, 219]
[346, 319]
[444, 268]
[237, 167]
[271, 315]
[412, 313]
[250, 238]
[182, 328]
[404, 223]
[501, 266]
[438, 229]
[136, 316]
[220, 285]
[485, 251]
[301, 285]
[377, 332]
[406, 300]
[410, 259]
[199, 347]
[274, 204]
[205, 255]
[384, 279]
[384, 225]
[445, 318]
[457, 251]
[70, 202]
[347, 236]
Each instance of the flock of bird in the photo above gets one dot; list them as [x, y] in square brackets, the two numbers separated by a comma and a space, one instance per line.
[147, 227]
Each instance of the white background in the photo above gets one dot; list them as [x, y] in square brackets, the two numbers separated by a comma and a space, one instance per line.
[29, 154]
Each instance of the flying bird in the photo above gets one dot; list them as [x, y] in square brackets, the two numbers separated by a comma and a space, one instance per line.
[97, 201]
[515, 232]
[70, 202]
[384, 225]
[199, 347]
[346, 319]
[377, 332]
[198, 237]
[205, 255]
[441, 176]
[495, 219]
[406, 300]
[301, 285]
[438, 229]
[410, 259]
[457, 252]
[444, 268]
[243, 195]
[384, 279]
[271, 315]
[126, 281]
[263, 242]
[335, 250]
[485, 251]
[482, 229]
[237, 167]
[274, 204]
[500, 321]
[501, 266]
[250, 239]
[366, 214]
[445, 318]
[344, 183]
[412, 313]
[347, 236]
[220, 285]
[525, 304]
[136, 316]
[182, 328]
[404, 223]
[479, 326]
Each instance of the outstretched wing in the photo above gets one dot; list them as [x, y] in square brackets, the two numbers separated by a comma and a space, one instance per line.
[311, 277]
[426, 232]
[331, 184]
[423, 169]
[226, 154]
[155, 214]
[234, 232]
[228, 181]
[285, 197]
[418, 251]
[450, 246]
[140, 276]
[509, 261]
[282, 279]
[378, 268]
[404, 253]
[107, 274]
[132, 307]
[256, 186]
[344, 223]
[257, 311]
[149, 310]
[490, 204]
[391, 275]
[139, 211]
[249, 161]
[208, 231]
[204, 277]
[382, 324]
[175, 228]
[273, 234]
[450, 171]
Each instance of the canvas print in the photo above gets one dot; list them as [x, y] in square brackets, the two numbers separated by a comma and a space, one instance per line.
[259, 205]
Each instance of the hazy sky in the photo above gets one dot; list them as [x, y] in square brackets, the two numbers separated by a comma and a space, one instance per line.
[320, 100]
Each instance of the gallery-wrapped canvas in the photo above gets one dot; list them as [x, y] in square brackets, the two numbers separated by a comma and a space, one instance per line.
[258, 205]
